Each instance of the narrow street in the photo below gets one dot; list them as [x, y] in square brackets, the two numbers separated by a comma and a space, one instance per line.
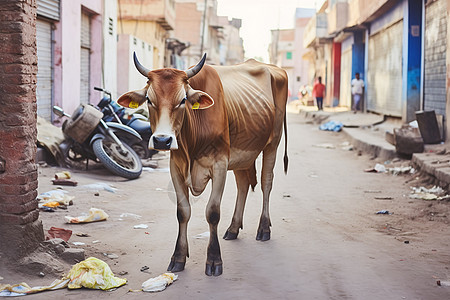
[327, 240]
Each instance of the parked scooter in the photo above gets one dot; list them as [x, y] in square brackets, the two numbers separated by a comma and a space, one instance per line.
[88, 137]
[115, 113]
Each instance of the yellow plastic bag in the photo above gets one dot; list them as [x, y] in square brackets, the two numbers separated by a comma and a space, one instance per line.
[93, 273]
[95, 214]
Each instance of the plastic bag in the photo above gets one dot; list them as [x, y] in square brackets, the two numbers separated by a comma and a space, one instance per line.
[93, 273]
[158, 284]
[95, 214]
[59, 196]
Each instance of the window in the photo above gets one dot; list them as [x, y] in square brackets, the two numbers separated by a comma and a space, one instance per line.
[289, 55]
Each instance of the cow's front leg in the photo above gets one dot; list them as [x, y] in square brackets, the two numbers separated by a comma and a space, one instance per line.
[178, 259]
[214, 258]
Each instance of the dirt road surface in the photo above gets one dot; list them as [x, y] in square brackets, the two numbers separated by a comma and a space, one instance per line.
[327, 240]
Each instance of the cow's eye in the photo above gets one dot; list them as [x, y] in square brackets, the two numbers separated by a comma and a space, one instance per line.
[148, 100]
[183, 101]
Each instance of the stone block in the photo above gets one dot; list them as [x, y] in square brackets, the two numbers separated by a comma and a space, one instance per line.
[73, 255]
[408, 141]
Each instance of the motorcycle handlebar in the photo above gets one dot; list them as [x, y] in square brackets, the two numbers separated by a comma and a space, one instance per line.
[102, 90]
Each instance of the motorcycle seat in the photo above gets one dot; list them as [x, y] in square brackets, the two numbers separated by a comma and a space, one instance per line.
[139, 125]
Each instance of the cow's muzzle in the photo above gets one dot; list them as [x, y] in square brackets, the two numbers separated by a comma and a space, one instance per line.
[162, 142]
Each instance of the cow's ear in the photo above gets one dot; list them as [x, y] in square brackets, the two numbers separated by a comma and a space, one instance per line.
[132, 99]
[201, 100]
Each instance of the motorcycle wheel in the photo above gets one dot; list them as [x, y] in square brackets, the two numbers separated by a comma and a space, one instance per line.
[125, 164]
[140, 150]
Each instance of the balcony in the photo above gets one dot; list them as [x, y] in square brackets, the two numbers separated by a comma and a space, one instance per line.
[316, 29]
[159, 11]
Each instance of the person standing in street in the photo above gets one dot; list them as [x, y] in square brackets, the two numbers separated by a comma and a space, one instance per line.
[319, 92]
[357, 92]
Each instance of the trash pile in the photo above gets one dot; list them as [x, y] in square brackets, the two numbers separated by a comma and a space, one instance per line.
[91, 273]
[380, 168]
[434, 193]
[332, 126]
[50, 200]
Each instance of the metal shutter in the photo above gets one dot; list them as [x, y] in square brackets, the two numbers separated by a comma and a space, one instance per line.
[48, 9]
[384, 79]
[435, 84]
[85, 58]
[44, 74]
[346, 77]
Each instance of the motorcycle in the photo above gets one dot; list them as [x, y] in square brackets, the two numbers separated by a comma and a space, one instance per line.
[89, 137]
[114, 113]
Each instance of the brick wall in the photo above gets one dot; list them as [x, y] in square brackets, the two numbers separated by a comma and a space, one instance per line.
[20, 229]
[435, 56]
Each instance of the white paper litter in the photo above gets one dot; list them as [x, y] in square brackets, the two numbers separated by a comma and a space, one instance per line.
[140, 226]
[428, 194]
[158, 284]
[202, 235]
[78, 243]
[130, 215]
[157, 170]
[98, 186]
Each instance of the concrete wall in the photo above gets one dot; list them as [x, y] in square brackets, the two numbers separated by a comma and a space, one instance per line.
[67, 52]
[128, 77]
[301, 66]
[109, 57]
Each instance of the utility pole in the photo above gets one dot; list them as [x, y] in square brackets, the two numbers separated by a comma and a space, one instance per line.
[203, 28]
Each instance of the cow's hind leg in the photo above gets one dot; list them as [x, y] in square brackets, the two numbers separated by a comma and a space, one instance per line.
[214, 258]
[243, 180]
[269, 156]
[181, 251]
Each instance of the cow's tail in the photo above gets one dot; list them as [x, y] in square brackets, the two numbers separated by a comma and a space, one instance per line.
[286, 160]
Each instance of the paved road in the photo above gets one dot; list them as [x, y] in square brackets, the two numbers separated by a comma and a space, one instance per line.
[327, 242]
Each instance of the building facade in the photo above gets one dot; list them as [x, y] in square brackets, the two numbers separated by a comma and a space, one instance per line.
[72, 37]
[398, 47]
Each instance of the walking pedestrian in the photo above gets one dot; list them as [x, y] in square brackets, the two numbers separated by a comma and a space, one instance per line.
[319, 91]
[357, 92]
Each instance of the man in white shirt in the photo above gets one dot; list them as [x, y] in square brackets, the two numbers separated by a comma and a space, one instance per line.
[357, 92]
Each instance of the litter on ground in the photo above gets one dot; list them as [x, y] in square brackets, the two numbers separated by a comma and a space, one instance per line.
[434, 193]
[91, 273]
[140, 226]
[95, 215]
[59, 196]
[332, 126]
[99, 186]
[55, 232]
[325, 145]
[203, 235]
[130, 215]
[158, 284]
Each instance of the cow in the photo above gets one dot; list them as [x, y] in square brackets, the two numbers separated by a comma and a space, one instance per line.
[213, 119]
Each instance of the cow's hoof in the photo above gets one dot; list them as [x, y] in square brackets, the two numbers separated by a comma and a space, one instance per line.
[176, 266]
[263, 235]
[230, 235]
[213, 269]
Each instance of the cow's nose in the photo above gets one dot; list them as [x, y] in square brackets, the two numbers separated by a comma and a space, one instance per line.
[162, 142]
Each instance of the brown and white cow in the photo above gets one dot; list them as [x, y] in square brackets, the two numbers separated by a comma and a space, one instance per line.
[214, 119]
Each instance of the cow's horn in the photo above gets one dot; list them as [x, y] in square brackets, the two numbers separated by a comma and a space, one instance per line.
[194, 70]
[143, 70]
